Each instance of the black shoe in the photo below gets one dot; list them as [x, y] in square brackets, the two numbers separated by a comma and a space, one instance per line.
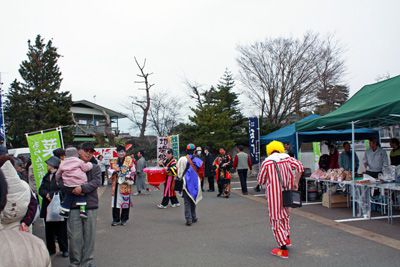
[219, 194]
[123, 223]
[209, 190]
[65, 254]
[195, 220]
[245, 193]
[115, 223]
[188, 223]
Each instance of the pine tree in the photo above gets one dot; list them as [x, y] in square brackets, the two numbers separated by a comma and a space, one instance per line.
[37, 103]
[218, 121]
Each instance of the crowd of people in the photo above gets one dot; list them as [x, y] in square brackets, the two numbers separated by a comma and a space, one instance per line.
[374, 160]
[74, 175]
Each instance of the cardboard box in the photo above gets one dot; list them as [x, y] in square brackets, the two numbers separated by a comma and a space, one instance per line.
[334, 200]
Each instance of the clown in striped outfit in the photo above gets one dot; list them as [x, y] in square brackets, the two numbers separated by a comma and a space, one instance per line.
[169, 193]
[290, 171]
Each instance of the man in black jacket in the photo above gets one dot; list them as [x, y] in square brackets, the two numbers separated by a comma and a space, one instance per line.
[82, 232]
[209, 169]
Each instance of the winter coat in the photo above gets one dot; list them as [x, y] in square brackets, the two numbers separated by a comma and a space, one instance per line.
[49, 186]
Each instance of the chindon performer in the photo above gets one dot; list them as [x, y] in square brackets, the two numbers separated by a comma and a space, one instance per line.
[122, 181]
[276, 161]
[191, 170]
[169, 191]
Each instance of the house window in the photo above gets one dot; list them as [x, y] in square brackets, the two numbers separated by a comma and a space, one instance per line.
[82, 122]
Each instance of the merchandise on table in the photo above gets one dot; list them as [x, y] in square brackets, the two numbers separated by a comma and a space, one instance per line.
[332, 175]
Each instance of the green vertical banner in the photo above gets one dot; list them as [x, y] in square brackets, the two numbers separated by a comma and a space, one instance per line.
[41, 146]
[366, 143]
[317, 153]
[175, 145]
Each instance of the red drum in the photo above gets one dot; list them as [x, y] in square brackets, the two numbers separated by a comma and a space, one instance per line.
[155, 175]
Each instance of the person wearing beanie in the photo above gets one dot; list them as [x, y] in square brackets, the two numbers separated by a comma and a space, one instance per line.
[72, 171]
[278, 161]
[49, 187]
[191, 170]
[19, 248]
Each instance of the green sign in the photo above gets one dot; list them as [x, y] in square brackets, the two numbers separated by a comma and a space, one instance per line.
[41, 147]
[317, 153]
[175, 145]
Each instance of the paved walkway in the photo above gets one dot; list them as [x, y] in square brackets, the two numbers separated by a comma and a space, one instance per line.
[230, 232]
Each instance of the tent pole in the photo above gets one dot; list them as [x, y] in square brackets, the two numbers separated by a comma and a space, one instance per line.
[297, 145]
[353, 166]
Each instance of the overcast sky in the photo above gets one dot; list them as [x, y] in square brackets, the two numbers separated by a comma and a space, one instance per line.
[194, 40]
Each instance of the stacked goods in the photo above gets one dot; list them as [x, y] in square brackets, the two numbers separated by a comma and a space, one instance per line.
[332, 175]
[319, 174]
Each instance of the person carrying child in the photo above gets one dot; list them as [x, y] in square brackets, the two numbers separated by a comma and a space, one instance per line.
[72, 171]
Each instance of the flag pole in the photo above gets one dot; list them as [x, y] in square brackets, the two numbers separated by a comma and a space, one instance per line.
[3, 125]
[61, 136]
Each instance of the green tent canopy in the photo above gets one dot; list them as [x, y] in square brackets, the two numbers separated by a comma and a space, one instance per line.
[375, 105]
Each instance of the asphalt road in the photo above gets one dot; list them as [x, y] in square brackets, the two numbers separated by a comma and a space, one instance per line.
[230, 232]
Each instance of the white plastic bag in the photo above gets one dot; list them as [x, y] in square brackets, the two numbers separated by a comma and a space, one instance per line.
[53, 210]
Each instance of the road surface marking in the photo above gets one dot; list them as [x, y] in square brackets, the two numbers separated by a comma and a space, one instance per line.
[365, 219]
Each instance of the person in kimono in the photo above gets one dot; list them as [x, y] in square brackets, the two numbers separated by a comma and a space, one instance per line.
[191, 170]
[278, 161]
[223, 165]
[169, 191]
[122, 181]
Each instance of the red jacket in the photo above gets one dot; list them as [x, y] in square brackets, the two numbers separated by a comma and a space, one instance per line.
[235, 162]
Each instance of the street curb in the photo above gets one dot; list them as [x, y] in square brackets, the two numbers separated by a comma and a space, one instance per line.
[356, 231]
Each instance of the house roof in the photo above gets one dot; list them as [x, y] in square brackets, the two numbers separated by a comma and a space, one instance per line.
[92, 105]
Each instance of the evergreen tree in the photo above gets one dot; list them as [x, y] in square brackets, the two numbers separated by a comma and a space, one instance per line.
[218, 120]
[37, 103]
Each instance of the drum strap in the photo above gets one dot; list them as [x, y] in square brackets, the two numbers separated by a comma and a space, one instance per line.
[192, 165]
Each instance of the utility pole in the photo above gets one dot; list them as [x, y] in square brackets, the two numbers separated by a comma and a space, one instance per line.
[3, 126]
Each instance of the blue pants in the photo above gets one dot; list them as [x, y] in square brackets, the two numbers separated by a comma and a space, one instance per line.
[71, 199]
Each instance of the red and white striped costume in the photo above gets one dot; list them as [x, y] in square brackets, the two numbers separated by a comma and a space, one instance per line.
[278, 215]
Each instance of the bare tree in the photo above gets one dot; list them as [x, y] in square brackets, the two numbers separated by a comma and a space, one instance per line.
[164, 113]
[195, 92]
[107, 129]
[141, 103]
[283, 75]
[382, 77]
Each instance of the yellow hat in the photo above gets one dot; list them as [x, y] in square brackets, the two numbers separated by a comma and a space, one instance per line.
[275, 146]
